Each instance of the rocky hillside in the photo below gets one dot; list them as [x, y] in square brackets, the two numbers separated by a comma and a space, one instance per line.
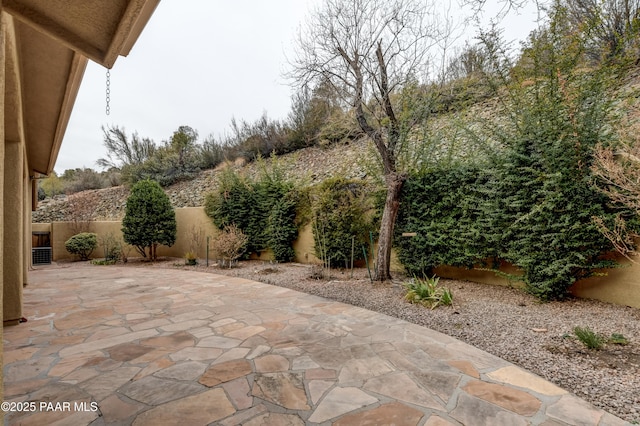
[309, 165]
[312, 165]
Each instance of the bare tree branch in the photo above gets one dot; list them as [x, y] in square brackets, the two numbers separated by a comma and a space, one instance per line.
[122, 151]
[369, 50]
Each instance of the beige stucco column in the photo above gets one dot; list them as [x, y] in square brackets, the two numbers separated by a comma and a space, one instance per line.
[14, 172]
[13, 251]
[26, 220]
[2, 91]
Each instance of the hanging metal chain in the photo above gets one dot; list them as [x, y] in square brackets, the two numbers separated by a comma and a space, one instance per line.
[108, 92]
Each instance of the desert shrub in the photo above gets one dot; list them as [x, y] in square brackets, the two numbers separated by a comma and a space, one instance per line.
[163, 168]
[263, 208]
[339, 127]
[341, 210]
[82, 244]
[177, 159]
[210, 153]
[52, 185]
[85, 179]
[610, 27]
[317, 117]
[149, 218]
[230, 244]
[126, 153]
[261, 138]
[427, 292]
[113, 177]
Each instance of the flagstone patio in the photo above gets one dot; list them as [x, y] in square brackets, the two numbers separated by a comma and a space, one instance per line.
[107, 345]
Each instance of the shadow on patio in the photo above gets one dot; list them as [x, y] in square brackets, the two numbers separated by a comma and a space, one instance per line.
[110, 345]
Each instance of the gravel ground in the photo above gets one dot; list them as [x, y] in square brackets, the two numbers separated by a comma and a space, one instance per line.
[502, 321]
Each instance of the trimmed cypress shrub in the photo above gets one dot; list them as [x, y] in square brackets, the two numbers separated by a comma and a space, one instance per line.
[149, 218]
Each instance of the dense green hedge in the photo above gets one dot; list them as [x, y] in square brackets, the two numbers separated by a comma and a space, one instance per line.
[443, 207]
[264, 208]
[533, 200]
[342, 219]
[469, 215]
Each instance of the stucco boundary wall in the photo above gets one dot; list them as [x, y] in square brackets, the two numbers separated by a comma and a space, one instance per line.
[619, 285]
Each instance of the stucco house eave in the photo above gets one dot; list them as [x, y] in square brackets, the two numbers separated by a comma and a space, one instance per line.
[54, 40]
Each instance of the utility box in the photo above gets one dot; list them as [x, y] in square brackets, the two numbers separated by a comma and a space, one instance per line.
[41, 253]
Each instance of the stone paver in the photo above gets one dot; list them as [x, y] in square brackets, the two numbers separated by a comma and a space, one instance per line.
[512, 399]
[513, 375]
[114, 409]
[271, 364]
[389, 414]
[136, 346]
[155, 391]
[200, 409]
[127, 351]
[283, 389]
[470, 411]
[341, 401]
[225, 372]
[106, 384]
[189, 370]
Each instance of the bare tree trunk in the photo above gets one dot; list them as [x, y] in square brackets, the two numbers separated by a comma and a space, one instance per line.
[394, 183]
[369, 51]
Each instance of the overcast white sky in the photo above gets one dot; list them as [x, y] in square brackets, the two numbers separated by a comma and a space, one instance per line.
[199, 63]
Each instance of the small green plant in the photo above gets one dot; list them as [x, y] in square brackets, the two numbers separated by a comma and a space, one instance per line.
[618, 339]
[104, 262]
[427, 292]
[589, 338]
[82, 244]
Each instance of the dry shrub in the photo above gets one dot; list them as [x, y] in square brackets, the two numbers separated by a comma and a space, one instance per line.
[619, 172]
[231, 243]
